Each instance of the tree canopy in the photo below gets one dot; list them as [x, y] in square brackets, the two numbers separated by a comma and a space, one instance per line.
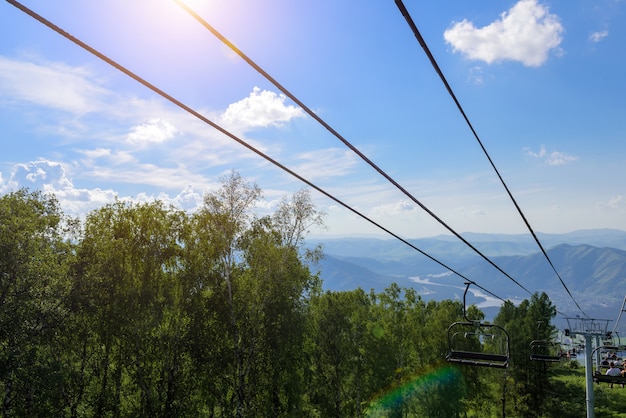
[144, 310]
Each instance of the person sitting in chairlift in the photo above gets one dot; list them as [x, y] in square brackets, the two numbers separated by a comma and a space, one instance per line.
[613, 371]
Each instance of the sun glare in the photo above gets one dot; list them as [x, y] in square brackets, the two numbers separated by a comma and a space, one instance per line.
[200, 7]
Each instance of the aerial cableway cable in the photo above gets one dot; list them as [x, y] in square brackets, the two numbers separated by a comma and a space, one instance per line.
[433, 61]
[619, 316]
[199, 116]
[340, 137]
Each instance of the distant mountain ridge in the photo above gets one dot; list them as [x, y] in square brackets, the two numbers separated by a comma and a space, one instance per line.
[591, 263]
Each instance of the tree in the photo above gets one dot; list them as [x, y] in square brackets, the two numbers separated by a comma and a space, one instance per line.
[131, 299]
[227, 214]
[250, 279]
[33, 286]
[530, 320]
[339, 348]
[417, 344]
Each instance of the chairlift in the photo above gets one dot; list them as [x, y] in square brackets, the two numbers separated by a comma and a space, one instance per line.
[472, 333]
[542, 350]
[608, 339]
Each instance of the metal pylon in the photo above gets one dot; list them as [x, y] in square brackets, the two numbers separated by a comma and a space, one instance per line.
[590, 329]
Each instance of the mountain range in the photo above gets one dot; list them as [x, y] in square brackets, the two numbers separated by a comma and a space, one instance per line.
[590, 268]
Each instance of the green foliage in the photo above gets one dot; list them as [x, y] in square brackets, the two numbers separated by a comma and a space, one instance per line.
[529, 321]
[568, 399]
[33, 286]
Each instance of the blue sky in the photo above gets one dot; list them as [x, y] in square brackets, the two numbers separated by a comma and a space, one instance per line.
[542, 82]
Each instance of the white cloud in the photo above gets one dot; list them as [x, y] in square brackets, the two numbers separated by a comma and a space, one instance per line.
[40, 174]
[188, 199]
[113, 157]
[598, 36]
[260, 109]
[476, 75]
[325, 163]
[154, 131]
[148, 175]
[97, 118]
[397, 208]
[615, 202]
[552, 158]
[526, 33]
[50, 177]
[53, 85]
[540, 154]
[559, 158]
[97, 115]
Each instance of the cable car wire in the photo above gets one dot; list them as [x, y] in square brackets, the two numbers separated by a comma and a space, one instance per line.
[619, 316]
[311, 113]
[214, 125]
[433, 61]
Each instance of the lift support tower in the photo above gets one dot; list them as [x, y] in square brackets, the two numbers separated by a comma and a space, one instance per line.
[588, 328]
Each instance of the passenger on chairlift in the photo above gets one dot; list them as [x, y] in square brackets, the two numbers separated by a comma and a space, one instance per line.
[613, 371]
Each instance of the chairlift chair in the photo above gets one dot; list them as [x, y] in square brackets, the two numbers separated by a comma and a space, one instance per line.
[542, 350]
[468, 333]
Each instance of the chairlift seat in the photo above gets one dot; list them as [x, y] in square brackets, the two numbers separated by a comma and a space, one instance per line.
[458, 355]
[478, 359]
[545, 357]
[598, 377]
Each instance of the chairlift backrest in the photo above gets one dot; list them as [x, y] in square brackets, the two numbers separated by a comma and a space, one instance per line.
[497, 356]
[541, 350]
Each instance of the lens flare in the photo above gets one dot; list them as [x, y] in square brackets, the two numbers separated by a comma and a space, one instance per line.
[443, 378]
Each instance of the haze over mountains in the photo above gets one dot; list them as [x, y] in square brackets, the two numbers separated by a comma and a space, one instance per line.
[591, 263]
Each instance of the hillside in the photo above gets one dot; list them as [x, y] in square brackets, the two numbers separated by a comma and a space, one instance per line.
[591, 263]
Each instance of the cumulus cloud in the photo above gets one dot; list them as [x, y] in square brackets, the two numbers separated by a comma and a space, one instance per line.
[526, 33]
[188, 199]
[551, 158]
[154, 131]
[51, 177]
[260, 109]
[598, 36]
[41, 174]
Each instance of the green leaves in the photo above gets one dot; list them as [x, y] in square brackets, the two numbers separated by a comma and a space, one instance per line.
[33, 287]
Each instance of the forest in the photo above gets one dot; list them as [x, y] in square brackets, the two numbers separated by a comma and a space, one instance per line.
[144, 310]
